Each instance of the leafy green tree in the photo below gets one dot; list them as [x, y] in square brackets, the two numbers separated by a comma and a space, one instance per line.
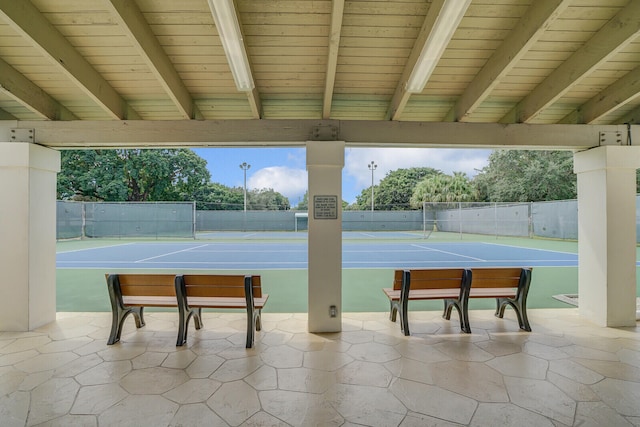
[395, 189]
[131, 175]
[267, 199]
[218, 197]
[91, 175]
[527, 176]
[444, 188]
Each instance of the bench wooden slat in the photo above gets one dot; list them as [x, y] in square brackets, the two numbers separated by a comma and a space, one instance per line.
[197, 291]
[424, 294]
[130, 293]
[508, 285]
[212, 302]
[150, 301]
[448, 284]
[493, 292]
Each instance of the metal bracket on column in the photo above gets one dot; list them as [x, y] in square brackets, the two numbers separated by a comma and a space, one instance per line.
[22, 135]
[611, 138]
[324, 133]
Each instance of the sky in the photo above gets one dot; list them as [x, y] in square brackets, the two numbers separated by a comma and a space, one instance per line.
[284, 169]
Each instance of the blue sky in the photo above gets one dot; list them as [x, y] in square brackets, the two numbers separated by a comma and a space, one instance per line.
[284, 169]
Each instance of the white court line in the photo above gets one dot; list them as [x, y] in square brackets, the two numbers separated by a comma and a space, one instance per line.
[97, 247]
[533, 249]
[449, 253]
[171, 253]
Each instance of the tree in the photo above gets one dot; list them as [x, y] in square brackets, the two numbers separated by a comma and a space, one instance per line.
[395, 189]
[91, 175]
[527, 176]
[131, 175]
[267, 199]
[218, 197]
[444, 188]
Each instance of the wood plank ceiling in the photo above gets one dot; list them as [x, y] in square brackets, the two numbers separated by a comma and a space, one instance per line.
[509, 61]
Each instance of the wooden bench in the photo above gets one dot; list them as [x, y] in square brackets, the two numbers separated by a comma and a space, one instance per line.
[509, 286]
[131, 293]
[195, 292]
[448, 284]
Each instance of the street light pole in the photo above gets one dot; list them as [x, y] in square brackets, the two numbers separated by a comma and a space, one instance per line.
[244, 166]
[372, 167]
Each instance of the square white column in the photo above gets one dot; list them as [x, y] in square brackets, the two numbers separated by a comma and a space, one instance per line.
[27, 235]
[325, 160]
[607, 234]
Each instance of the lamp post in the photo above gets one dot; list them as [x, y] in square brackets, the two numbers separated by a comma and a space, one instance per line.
[372, 167]
[244, 166]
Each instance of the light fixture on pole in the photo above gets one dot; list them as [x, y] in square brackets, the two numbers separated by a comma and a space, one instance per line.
[226, 19]
[244, 166]
[372, 167]
[445, 25]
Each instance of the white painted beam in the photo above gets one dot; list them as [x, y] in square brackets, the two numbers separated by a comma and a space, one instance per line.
[609, 40]
[355, 133]
[31, 24]
[540, 15]
[5, 115]
[401, 96]
[133, 22]
[632, 117]
[335, 31]
[613, 97]
[26, 93]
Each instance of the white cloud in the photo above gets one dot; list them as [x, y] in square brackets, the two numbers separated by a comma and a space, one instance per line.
[291, 182]
[390, 159]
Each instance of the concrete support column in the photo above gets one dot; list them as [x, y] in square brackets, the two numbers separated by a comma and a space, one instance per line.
[325, 160]
[27, 235]
[607, 234]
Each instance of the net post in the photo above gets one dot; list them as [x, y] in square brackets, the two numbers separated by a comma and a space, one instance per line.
[194, 218]
[83, 227]
[460, 219]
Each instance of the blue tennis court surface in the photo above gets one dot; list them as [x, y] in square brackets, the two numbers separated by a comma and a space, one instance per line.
[293, 255]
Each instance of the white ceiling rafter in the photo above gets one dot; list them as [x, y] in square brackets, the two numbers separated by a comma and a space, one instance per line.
[335, 31]
[31, 96]
[133, 22]
[615, 96]
[225, 14]
[29, 22]
[615, 35]
[437, 29]
[517, 43]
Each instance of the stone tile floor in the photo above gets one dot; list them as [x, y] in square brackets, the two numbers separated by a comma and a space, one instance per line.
[567, 372]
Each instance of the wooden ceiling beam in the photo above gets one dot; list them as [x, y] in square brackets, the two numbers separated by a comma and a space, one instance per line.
[4, 115]
[401, 96]
[619, 93]
[632, 117]
[540, 15]
[610, 39]
[133, 22]
[335, 31]
[31, 24]
[295, 133]
[26, 93]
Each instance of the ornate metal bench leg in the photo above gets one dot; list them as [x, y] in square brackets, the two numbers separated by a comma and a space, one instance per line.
[258, 319]
[251, 311]
[117, 321]
[448, 306]
[138, 315]
[197, 317]
[183, 326]
[393, 310]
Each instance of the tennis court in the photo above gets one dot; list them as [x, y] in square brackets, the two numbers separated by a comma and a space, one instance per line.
[265, 255]
[369, 259]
